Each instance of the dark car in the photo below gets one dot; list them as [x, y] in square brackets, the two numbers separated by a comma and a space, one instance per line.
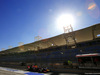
[37, 69]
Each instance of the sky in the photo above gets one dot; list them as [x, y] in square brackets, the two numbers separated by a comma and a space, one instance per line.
[23, 20]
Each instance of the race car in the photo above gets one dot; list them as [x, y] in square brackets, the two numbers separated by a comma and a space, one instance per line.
[34, 68]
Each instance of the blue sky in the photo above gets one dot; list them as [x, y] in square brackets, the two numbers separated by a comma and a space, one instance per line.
[22, 20]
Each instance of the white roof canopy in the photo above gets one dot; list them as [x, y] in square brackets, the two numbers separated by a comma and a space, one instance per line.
[82, 35]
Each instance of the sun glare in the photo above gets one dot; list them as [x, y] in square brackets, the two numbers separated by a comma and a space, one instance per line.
[65, 20]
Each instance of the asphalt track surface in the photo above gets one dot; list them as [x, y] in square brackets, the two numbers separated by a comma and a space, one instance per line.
[9, 71]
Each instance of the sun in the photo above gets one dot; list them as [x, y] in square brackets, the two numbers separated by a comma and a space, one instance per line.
[64, 20]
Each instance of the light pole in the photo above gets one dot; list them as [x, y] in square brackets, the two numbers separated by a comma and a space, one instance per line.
[69, 35]
[3, 49]
[10, 47]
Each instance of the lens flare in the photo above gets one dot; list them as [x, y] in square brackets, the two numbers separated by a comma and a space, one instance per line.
[92, 6]
[92, 9]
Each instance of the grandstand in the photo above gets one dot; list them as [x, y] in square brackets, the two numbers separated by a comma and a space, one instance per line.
[57, 49]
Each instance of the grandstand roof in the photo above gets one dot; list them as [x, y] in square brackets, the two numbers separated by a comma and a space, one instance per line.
[82, 35]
